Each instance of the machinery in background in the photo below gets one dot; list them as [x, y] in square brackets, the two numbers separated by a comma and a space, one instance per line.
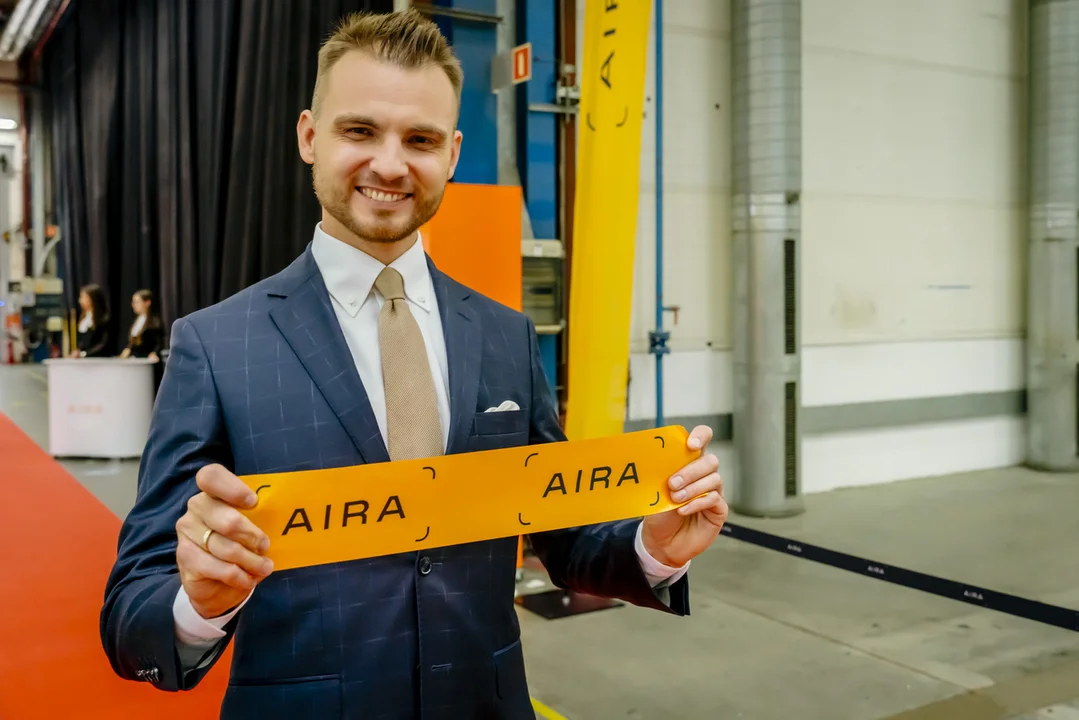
[43, 310]
[32, 304]
[32, 309]
[33, 320]
[12, 272]
[542, 270]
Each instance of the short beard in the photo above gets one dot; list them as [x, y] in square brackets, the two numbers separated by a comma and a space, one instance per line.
[338, 205]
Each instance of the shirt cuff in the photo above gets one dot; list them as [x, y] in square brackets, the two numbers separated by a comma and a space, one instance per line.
[657, 573]
[194, 630]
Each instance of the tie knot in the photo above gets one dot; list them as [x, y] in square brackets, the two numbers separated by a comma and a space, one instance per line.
[390, 283]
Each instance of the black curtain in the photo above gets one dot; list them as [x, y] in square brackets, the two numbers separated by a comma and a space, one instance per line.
[172, 124]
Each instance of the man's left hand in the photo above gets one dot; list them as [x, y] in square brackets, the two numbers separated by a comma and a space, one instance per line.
[677, 536]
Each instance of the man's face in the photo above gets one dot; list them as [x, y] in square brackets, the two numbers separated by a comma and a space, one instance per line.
[383, 147]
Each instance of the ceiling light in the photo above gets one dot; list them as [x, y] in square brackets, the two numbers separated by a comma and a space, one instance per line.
[8, 124]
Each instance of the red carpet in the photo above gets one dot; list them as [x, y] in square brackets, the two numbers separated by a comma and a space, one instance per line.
[57, 545]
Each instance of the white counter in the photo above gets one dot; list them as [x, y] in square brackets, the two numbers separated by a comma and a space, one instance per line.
[99, 407]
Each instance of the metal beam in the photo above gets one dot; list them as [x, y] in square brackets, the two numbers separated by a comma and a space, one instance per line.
[456, 14]
[537, 131]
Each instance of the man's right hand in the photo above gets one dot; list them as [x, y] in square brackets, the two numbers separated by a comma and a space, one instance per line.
[219, 575]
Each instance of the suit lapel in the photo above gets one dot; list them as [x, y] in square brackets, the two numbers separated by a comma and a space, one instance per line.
[464, 350]
[306, 319]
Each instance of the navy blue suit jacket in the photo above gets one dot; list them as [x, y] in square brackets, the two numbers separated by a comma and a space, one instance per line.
[264, 382]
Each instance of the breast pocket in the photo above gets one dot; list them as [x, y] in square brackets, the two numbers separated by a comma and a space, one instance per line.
[493, 430]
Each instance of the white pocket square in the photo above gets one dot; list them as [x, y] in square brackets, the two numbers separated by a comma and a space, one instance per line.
[506, 405]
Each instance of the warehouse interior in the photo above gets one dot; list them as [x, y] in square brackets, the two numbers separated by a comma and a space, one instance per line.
[856, 259]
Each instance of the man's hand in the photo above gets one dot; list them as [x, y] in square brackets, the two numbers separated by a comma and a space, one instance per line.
[220, 568]
[677, 536]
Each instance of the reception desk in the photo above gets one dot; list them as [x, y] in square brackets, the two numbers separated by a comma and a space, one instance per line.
[99, 407]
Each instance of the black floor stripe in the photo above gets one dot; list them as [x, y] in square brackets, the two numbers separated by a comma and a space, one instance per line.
[1061, 617]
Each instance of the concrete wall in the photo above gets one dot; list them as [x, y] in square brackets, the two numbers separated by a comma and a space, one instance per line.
[913, 257]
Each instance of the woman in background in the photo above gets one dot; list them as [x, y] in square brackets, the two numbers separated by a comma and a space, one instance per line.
[93, 333]
[147, 334]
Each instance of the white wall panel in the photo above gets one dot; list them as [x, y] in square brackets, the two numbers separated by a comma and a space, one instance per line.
[885, 269]
[700, 382]
[880, 127]
[697, 270]
[974, 35]
[913, 134]
[696, 115]
[876, 126]
[705, 17]
[695, 383]
[696, 181]
[871, 457]
[847, 374]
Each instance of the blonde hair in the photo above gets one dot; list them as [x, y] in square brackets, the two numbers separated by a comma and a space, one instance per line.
[407, 39]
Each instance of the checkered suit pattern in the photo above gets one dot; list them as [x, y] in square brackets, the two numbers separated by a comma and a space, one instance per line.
[264, 382]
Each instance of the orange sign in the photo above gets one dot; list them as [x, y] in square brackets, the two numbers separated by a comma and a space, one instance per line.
[325, 516]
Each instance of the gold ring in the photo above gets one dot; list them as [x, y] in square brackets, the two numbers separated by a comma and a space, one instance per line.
[206, 540]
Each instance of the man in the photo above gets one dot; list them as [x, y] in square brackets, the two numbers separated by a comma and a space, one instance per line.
[361, 352]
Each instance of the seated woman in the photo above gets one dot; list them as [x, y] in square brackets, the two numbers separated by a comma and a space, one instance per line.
[92, 339]
[147, 335]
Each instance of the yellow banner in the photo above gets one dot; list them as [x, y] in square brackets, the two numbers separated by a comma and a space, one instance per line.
[325, 516]
[605, 217]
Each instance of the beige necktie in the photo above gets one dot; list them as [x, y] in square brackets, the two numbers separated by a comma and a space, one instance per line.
[413, 426]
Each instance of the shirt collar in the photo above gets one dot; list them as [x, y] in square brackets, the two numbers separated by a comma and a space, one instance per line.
[350, 273]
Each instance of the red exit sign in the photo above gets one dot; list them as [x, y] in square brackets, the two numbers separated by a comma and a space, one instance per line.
[522, 63]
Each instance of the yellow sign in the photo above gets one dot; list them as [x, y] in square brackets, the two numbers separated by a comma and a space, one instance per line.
[325, 516]
[605, 220]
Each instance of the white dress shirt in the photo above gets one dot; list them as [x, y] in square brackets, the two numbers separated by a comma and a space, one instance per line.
[136, 327]
[349, 275]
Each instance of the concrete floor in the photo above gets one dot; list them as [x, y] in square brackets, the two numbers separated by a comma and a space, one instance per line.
[775, 637]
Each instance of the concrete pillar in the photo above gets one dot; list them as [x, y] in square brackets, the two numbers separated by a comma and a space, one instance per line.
[1053, 307]
[766, 108]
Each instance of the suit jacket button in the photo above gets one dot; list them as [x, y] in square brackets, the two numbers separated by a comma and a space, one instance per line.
[425, 565]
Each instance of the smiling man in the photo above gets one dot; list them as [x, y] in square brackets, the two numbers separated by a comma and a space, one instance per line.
[361, 351]
[381, 135]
